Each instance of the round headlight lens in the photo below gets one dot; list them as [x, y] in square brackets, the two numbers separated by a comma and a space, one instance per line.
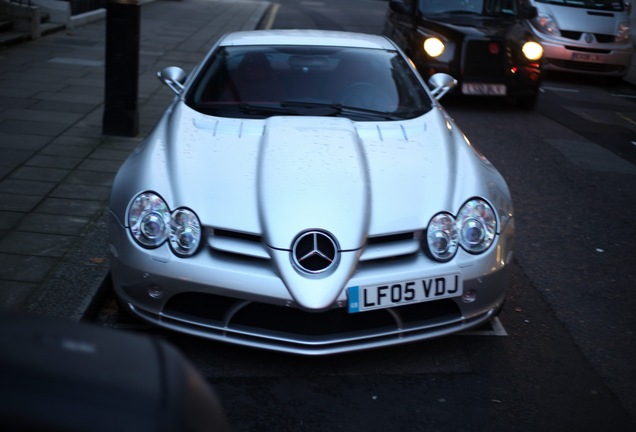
[546, 24]
[185, 232]
[442, 237]
[149, 219]
[623, 32]
[532, 50]
[477, 226]
[434, 47]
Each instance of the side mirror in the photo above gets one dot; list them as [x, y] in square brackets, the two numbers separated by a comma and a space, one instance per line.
[441, 83]
[173, 77]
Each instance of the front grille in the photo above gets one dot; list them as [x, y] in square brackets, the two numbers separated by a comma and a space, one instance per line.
[576, 35]
[604, 38]
[242, 245]
[483, 59]
[236, 243]
[279, 325]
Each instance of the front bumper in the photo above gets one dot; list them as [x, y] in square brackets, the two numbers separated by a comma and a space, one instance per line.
[572, 56]
[242, 301]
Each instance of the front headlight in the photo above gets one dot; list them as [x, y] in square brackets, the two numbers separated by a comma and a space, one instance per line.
[149, 219]
[152, 223]
[185, 232]
[623, 32]
[434, 47]
[441, 237]
[532, 50]
[477, 226]
[546, 24]
[473, 229]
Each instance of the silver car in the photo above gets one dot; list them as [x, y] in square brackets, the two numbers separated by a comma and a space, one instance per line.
[305, 192]
[585, 36]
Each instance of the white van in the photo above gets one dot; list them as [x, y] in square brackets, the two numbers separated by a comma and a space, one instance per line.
[585, 36]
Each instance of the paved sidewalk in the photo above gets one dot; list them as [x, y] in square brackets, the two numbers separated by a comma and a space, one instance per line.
[56, 167]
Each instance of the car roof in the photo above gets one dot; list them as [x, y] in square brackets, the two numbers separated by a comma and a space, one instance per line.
[306, 38]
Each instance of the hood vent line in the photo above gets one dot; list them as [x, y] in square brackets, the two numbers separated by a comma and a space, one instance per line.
[379, 132]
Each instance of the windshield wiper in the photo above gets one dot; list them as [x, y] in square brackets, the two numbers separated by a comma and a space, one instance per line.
[294, 108]
[365, 112]
[303, 108]
[312, 108]
[458, 12]
[264, 109]
[334, 109]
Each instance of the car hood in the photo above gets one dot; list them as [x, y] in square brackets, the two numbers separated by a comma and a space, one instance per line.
[284, 175]
[584, 20]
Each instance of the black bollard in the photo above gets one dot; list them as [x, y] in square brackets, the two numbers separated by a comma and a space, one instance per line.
[123, 23]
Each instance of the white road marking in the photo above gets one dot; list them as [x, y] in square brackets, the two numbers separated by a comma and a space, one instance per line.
[624, 117]
[624, 96]
[560, 89]
[497, 330]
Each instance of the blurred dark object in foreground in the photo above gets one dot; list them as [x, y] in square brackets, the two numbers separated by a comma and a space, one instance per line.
[60, 376]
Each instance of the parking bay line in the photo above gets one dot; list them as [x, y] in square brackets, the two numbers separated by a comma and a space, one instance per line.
[493, 328]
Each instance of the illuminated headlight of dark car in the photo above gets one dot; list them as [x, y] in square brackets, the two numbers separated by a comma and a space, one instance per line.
[533, 51]
[152, 223]
[434, 47]
[473, 229]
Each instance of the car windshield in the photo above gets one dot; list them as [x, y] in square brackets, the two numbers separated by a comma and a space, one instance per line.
[468, 7]
[605, 5]
[264, 81]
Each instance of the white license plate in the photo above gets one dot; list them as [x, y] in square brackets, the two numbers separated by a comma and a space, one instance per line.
[370, 297]
[592, 58]
[484, 89]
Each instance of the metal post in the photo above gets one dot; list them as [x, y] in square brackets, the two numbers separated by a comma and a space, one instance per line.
[123, 23]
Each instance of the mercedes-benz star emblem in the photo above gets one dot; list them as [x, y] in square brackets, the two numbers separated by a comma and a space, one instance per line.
[314, 252]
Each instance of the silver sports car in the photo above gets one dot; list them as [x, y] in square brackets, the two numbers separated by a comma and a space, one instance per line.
[305, 192]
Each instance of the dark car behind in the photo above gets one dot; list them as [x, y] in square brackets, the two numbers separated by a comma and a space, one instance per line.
[486, 45]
